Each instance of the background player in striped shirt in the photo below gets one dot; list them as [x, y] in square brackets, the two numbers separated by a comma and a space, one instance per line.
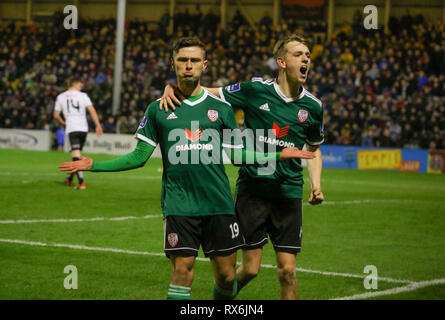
[279, 112]
[73, 104]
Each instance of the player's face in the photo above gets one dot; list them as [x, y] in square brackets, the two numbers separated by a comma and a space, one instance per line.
[297, 61]
[189, 64]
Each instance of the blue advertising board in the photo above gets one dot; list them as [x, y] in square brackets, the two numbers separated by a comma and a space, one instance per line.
[335, 156]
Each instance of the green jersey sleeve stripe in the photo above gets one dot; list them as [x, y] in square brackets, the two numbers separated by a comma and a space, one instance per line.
[219, 98]
[145, 139]
[221, 94]
[308, 94]
[315, 143]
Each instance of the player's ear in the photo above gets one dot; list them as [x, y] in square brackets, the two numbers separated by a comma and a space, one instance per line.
[281, 63]
[205, 64]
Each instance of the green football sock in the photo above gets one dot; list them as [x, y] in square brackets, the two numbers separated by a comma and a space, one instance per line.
[224, 294]
[178, 292]
[239, 285]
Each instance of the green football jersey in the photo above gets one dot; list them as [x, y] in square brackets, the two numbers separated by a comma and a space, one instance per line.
[274, 122]
[191, 139]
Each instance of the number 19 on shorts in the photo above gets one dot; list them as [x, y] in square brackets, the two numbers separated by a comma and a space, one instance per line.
[234, 229]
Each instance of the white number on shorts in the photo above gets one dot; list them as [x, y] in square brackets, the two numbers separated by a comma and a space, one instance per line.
[235, 230]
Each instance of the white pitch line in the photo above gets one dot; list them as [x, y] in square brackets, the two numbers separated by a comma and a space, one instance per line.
[345, 275]
[55, 174]
[30, 243]
[81, 247]
[157, 177]
[366, 201]
[78, 220]
[351, 202]
[410, 287]
[350, 275]
[380, 184]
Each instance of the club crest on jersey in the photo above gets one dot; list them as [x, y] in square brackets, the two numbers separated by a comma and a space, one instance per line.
[279, 132]
[212, 115]
[234, 87]
[143, 123]
[173, 239]
[302, 116]
[193, 135]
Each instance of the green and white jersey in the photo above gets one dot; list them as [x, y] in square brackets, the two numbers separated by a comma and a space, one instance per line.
[274, 121]
[194, 182]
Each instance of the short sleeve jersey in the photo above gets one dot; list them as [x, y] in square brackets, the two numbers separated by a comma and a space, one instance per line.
[73, 104]
[274, 122]
[191, 140]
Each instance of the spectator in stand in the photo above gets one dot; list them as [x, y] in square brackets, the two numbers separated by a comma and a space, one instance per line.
[385, 80]
[109, 125]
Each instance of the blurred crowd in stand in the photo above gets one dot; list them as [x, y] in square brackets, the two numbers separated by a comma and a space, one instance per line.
[377, 89]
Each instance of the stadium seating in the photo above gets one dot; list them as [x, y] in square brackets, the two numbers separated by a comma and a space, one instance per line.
[378, 89]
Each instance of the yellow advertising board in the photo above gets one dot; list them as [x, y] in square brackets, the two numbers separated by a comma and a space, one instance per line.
[436, 161]
[379, 159]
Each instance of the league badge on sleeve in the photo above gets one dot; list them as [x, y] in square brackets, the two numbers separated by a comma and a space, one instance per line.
[302, 116]
[212, 115]
[143, 123]
[234, 87]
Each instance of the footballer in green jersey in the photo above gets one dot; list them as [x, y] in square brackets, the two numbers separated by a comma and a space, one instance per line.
[196, 198]
[274, 121]
[191, 144]
[279, 113]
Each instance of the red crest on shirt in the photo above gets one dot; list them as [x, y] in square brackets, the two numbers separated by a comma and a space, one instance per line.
[212, 115]
[302, 116]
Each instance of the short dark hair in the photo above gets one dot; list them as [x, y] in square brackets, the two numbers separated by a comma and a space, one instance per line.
[280, 47]
[188, 42]
[71, 81]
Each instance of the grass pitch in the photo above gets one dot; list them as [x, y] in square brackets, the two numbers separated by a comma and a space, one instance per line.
[112, 232]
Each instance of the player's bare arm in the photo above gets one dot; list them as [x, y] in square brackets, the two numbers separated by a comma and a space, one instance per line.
[97, 124]
[295, 153]
[59, 118]
[314, 167]
[172, 96]
[84, 164]
[245, 157]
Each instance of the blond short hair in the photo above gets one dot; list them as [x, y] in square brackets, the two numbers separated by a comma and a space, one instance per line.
[280, 49]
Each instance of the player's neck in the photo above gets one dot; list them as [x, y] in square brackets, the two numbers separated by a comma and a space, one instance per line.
[190, 89]
[291, 89]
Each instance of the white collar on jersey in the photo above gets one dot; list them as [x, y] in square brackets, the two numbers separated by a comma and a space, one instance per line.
[282, 96]
[190, 103]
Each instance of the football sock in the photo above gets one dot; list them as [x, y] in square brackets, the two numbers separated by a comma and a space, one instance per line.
[79, 173]
[239, 285]
[225, 294]
[80, 176]
[178, 292]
